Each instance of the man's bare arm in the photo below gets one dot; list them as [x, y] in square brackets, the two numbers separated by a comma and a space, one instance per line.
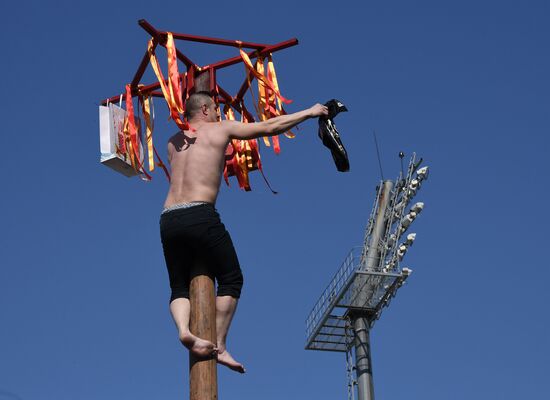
[273, 126]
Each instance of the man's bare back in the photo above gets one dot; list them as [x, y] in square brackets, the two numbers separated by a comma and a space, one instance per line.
[196, 160]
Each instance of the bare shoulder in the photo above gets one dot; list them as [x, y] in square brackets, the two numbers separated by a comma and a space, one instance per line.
[171, 146]
[223, 129]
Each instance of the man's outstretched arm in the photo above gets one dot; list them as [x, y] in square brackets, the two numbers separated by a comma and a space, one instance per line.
[273, 126]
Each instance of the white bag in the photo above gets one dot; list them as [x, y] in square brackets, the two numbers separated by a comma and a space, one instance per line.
[111, 123]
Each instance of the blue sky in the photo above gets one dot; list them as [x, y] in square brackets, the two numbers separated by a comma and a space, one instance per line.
[83, 286]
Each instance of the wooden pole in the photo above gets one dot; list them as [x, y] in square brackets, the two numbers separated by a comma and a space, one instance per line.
[203, 377]
[202, 81]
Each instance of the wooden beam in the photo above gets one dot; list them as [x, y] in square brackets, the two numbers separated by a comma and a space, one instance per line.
[202, 81]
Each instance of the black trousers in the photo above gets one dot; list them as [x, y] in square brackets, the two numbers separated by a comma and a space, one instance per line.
[197, 232]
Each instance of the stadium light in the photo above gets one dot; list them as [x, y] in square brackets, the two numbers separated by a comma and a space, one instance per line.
[410, 239]
[417, 207]
[422, 173]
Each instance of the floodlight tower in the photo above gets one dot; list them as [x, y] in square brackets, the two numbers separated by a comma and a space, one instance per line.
[367, 280]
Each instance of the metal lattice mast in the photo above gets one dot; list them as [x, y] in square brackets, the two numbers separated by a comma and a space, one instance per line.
[368, 279]
[363, 289]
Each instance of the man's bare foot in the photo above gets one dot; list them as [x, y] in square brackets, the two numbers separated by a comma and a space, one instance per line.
[225, 358]
[199, 347]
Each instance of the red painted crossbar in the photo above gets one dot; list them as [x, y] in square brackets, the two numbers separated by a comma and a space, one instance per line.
[201, 39]
[159, 37]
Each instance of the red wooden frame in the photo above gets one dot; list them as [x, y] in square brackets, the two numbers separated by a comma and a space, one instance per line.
[159, 38]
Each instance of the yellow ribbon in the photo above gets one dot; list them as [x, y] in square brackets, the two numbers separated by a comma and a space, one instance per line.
[262, 97]
[261, 77]
[273, 75]
[174, 106]
[148, 131]
[174, 81]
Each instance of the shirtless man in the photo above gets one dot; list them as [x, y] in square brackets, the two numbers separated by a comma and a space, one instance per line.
[190, 225]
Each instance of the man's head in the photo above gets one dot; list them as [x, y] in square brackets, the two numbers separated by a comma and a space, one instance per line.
[200, 107]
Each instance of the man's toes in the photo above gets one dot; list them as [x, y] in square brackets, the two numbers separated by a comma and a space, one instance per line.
[204, 350]
[200, 347]
[240, 369]
[226, 359]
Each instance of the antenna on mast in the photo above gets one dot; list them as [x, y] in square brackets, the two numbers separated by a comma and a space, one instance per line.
[401, 156]
[378, 154]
